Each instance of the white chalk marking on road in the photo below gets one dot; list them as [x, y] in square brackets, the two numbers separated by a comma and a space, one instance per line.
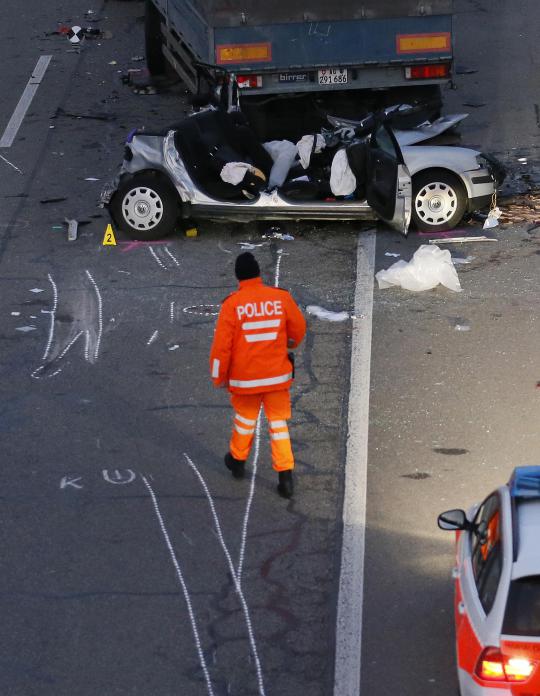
[118, 478]
[278, 265]
[167, 251]
[87, 345]
[152, 338]
[249, 500]
[100, 315]
[52, 313]
[202, 310]
[183, 586]
[158, 260]
[11, 165]
[73, 340]
[56, 372]
[38, 369]
[236, 580]
[22, 107]
[351, 581]
[69, 481]
[171, 309]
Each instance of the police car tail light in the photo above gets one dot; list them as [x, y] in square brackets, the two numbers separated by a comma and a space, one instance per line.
[494, 666]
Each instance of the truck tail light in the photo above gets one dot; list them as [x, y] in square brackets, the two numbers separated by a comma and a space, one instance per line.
[427, 72]
[495, 667]
[249, 81]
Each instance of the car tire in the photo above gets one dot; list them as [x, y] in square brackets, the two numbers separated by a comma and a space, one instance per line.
[146, 207]
[439, 200]
[153, 40]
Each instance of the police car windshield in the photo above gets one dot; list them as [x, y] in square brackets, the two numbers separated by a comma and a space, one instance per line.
[522, 617]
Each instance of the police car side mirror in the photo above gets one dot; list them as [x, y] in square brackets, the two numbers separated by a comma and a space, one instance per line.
[452, 520]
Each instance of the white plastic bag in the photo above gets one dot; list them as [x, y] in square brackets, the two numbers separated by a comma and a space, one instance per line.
[429, 266]
[342, 180]
[283, 152]
[326, 314]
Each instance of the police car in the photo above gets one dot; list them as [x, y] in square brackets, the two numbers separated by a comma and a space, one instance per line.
[497, 589]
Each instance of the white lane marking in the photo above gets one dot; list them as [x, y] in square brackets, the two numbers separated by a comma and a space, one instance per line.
[156, 257]
[183, 585]
[236, 580]
[167, 251]
[52, 313]
[100, 315]
[249, 500]
[351, 581]
[11, 165]
[152, 338]
[22, 107]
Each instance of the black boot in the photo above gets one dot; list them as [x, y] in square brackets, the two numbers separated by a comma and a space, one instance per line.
[235, 466]
[285, 485]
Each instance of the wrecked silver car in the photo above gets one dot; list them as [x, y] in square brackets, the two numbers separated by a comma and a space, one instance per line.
[212, 166]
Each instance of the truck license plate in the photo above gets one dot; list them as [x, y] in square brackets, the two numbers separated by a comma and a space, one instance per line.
[333, 76]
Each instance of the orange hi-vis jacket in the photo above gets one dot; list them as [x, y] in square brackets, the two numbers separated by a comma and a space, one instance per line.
[256, 325]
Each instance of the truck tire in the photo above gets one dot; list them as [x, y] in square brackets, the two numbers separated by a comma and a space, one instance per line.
[439, 200]
[146, 207]
[153, 40]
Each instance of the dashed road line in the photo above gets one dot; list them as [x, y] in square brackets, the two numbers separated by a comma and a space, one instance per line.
[351, 581]
[27, 96]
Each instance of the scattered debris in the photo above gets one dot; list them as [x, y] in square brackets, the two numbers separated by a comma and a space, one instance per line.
[390, 253]
[457, 260]
[72, 229]
[474, 104]
[492, 219]
[429, 267]
[93, 117]
[175, 347]
[25, 329]
[461, 326]
[45, 201]
[91, 178]
[417, 476]
[521, 208]
[36, 290]
[462, 240]
[137, 59]
[326, 314]
[15, 314]
[462, 70]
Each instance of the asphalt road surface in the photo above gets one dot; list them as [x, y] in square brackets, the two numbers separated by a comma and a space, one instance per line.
[131, 562]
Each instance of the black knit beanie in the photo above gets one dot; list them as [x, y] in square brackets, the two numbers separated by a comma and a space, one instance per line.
[246, 266]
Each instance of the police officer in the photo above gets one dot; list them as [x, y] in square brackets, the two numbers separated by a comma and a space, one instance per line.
[256, 326]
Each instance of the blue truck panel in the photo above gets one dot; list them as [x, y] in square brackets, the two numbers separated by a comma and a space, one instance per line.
[304, 45]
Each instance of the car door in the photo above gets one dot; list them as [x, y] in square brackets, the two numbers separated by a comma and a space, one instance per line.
[478, 581]
[388, 189]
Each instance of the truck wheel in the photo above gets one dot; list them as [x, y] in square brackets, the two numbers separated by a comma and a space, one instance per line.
[439, 200]
[153, 40]
[146, 207]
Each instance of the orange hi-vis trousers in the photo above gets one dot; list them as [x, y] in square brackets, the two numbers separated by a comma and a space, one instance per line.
[277, 407]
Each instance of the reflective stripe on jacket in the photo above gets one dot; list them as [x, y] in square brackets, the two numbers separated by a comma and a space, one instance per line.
[256, 325]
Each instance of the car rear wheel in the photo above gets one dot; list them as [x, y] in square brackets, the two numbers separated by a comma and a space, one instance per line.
[439, 200]
[146, 207]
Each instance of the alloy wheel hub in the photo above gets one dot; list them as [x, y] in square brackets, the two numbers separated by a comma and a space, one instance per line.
[142, 208]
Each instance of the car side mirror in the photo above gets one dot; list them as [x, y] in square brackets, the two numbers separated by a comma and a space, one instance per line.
[452, 520]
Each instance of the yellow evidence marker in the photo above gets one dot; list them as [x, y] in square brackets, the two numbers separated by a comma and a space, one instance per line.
[109, 238]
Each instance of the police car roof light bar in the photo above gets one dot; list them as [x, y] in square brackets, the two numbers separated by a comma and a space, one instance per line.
[525, 482]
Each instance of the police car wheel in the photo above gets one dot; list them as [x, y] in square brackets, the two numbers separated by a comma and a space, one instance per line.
[439, 200]
[146, 207]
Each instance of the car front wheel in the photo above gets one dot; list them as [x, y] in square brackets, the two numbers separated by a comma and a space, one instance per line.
[146, 207]
[439, 200]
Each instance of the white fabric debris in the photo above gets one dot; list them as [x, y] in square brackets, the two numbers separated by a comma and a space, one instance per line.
[428, 267]
[283, 152]
[492, 219]
[326, 314]
[234, 172]
[305, 148]
[342, 180]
